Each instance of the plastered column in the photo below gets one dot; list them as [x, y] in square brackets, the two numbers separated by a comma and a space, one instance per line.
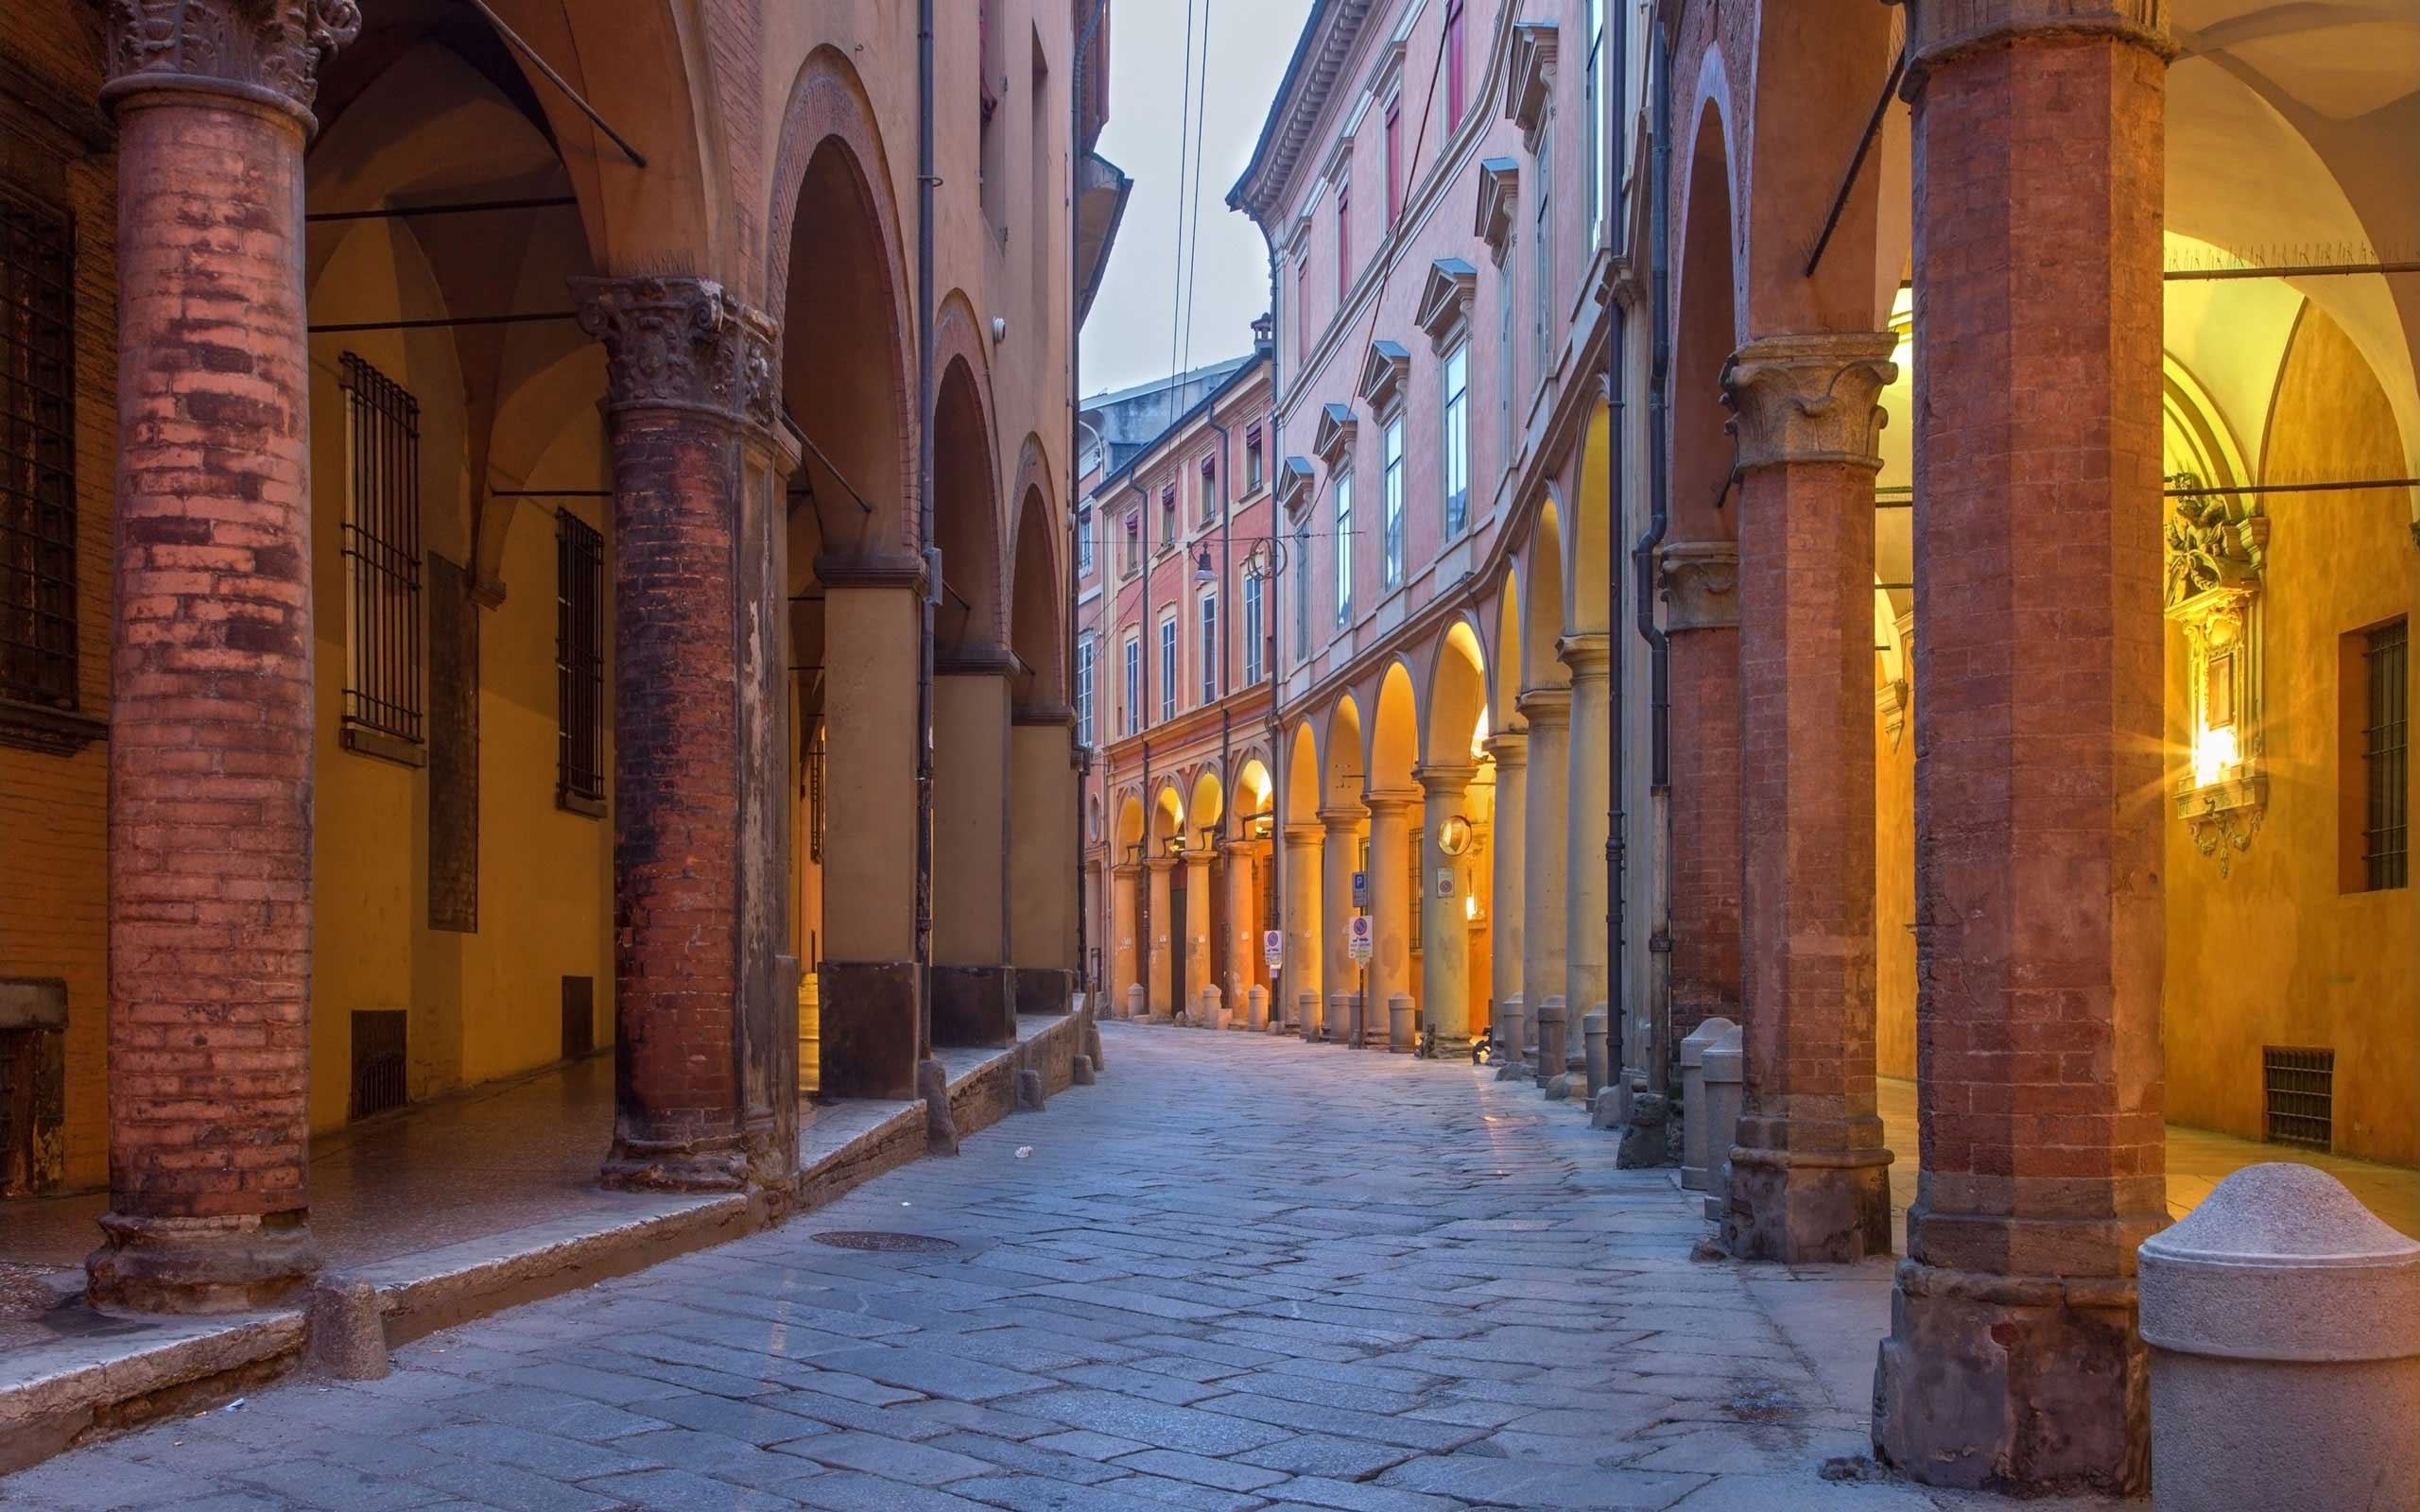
[1124, 959]
[1511, 837]
[1545, 877]
[973, 999]
[1306, 949]
[1444, 932]
[1197, 943]
[1163, 929]
[1701, 586]
[1587, 821]
[1389, 897]
[1343, 851]
[873, 1028]
[211, 708]
[1041, 858]
[2012, 1358]
[1809, 1178]
[1240, 862]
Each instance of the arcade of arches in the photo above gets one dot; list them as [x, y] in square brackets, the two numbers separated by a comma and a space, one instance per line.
[519, 585]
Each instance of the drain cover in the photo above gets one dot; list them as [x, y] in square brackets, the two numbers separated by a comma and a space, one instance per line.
[884, 1242]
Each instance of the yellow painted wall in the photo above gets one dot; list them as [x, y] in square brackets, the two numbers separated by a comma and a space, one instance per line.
[1894, 900]
[2273, 953]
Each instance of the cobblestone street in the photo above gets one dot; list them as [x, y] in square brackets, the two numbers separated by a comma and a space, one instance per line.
[1239, 1274]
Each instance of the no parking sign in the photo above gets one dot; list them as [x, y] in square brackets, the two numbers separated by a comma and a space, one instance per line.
[1358, 941]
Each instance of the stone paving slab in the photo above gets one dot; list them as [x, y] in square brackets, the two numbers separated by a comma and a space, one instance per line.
[1240, 1275]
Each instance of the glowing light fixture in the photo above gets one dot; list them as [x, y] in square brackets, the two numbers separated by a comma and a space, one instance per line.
[2214, 754]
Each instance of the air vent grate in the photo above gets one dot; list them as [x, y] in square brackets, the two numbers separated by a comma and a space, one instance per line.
[2298, 1086]
[378, 1060]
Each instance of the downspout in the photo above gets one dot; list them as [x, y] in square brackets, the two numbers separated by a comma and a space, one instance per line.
[925, 352]
[1617, 90]
[1226, 656]
[1144, 652]
[1643, 555]
[1081, 754]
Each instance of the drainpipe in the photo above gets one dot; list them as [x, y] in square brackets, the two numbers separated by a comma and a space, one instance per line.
[1616, 78]
[1643, 555]
[1226, 642]
[1144, 652]
[926, 352]
[1081, 753]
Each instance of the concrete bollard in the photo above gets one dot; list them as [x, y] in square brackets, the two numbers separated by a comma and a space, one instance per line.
[1211, 1011]
[1399, 1039]
[1723, 1068]
[1306, 1015]
[1548, 1063]
[1335, 1028]
[1033, 1094]
[1080, 1072]
[1592, 1027]
[1134, 1004]
[1510, 1018]
[1693, 1113]
[2283, 1325]
[1256, 1008]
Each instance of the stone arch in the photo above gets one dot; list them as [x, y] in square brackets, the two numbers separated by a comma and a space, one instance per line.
[1504, 688]
[1255, 789]
[1341, 766]
[1129, 823]
[1209, 805]
[1167, 816]
[966, 517]
[1457, 702]
[1591, 565]
[1395, 734]
[1706, 331]
[1036, 604]
[1541, 615]
[1304, 790]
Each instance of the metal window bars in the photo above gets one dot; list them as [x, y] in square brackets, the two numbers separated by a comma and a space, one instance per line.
[381, 554]
[580, 660]
[2386, 747]
[2298, 1089]
[36, 454]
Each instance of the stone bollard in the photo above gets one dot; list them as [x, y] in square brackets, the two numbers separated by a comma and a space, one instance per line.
[1547, 1064]
[1306, 1015]
[1724, 1068]
[1033, 1094]
[1694, 1166]
[1135, 1010]
[940, 1128]
[2283, 1325]
[1592, 1027]
[1335, 1028]
[347, 1329]
[1509, 1017]
[1211, 1012]
[1080, 1072]
[1399, 1035]
[1256, 1008]
[1092, 1041]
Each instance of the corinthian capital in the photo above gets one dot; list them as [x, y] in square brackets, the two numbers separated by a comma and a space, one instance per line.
[681, 343]
[266, 50]
[1809, 399]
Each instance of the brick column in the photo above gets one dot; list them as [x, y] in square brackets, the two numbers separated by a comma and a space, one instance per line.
[2013, 1360]
[1511, 752]
[1196, 942]
[1444, 929]
[1391, 903]
[1306, 939]
[1701, 583]
[700, 1100]
[211, 666]
[1810, 1179]
[1343, 850]
[1545, 876]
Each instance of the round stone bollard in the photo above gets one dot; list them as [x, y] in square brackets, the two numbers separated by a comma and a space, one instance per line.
[1592, 1028]
[1549, 1061]
[1511, 1015]
[2284, 1324]
[1256, 1009]
[1306, 1015]
[1399, 1039]
[1212, 1012]
[1724, 1070]
[1133, 1003]
[1693, 1111]
[1338, 1027]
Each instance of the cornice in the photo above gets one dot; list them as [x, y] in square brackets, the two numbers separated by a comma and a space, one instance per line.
[1320, 55]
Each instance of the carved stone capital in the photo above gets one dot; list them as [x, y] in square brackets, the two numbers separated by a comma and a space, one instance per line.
[682, 343]
[1700, 585]
[267, 51]
[1510, 747]
[1809, 399]
[1547, 707]
[1589, 655]
[1445, 781]
[1942, 31]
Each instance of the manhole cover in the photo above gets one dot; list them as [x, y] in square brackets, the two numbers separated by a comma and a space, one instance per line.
[884, 1242]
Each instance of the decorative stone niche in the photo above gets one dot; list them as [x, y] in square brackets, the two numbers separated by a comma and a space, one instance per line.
[2217, 547]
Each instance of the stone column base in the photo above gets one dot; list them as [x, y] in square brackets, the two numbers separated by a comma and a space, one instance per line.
[1045, 990]
[221, 1264]
[973, 1005]
[869, 1029]
[2029, 1385]
[720, 1162]
[1807, 1207]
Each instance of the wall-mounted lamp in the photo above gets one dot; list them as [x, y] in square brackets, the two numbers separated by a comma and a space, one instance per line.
[1201, 573]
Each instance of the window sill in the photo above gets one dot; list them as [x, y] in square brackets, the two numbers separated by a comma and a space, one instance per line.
[579, 804]
[363, 741]
[51, 732]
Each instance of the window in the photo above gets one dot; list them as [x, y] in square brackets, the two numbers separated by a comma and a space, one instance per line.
[1084, 541]
[1253, 630]
[1168, 669]
[1303, 311]
[1390, 502]
[1084, 690]
[1454, 76]
[1133, 710]
[1167, 516]
[1543, 234]
[1206, 648]
[382, 556]
[1601, 122]
[1253, 461]
[1506, 382]
[1134, 540]
[1344, 241]
[37, 455]
[1395, 162]
[579, 662]
[1208, 504]
[2386, 743]
[1343, 549]
[1457, 439]
[1303, 601]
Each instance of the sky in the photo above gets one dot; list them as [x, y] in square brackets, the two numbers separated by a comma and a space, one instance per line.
[1127, 338]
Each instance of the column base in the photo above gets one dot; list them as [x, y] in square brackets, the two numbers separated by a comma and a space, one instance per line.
[219, 1264]
[718, 1162]
[1808, 1206]
[1045, 990]
[2026, 1385]
[1450, 1047]
[870, 1030]
[973, 1005]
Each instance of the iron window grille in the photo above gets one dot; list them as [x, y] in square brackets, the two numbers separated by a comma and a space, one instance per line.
[381, 554]
[2298, 1089]
[580, 660]
[37, 454]
[2386, 742]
